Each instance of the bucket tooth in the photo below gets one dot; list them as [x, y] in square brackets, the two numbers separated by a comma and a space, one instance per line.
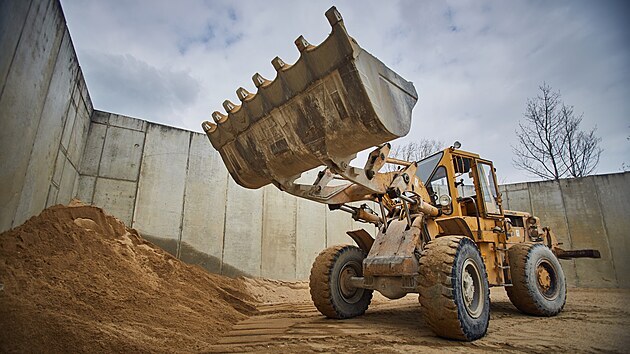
[303, 45]
[219, 117]
[230, 107]
[243, 94]
[259, 80]
[279, 64]
[208, 127]
[333, 16]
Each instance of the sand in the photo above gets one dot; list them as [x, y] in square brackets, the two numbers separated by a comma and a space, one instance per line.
[74, 279]
[593, 321]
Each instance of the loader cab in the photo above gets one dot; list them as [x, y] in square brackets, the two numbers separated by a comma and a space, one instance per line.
[461, 184]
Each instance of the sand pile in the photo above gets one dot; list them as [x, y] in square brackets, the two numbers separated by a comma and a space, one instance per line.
[271, 291]
[76, 279]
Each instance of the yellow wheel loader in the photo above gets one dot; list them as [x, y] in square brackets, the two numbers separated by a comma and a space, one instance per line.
[442, 231]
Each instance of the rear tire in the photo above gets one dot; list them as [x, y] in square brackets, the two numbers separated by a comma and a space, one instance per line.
[538, 282]
[330, 291]
[454, 291]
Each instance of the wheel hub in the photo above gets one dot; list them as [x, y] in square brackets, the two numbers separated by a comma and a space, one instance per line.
[344, 282]
[544, 278]
[469, 288]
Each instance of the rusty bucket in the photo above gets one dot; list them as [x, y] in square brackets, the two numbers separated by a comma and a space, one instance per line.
[335, 101]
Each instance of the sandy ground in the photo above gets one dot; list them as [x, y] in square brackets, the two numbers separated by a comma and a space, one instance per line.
[594, 320]
[75, 279]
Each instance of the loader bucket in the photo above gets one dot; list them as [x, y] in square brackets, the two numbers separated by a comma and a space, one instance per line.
[335, 101]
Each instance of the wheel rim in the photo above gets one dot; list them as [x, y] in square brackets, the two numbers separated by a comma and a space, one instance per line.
[547, 279]
[349, 293]
[472, 292]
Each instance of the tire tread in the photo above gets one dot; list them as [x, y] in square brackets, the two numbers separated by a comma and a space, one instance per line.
[520, 294]
[436, 266]
[319, 281]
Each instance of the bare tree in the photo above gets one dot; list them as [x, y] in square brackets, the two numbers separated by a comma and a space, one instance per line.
[550, 142]
[415, 150]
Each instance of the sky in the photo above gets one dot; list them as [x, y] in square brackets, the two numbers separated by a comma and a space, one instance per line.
[473, 63]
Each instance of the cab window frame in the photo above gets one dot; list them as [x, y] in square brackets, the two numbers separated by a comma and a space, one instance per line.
[481, 177]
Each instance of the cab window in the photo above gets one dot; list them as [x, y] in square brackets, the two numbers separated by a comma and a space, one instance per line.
[438, 185]
[463, 177]
[488, 188]
[427, 165]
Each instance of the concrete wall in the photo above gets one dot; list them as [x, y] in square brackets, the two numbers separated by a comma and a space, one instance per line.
[172, 186]
[589, 212]
[45, 110]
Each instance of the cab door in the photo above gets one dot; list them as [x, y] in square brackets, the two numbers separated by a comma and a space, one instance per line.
[488, 189]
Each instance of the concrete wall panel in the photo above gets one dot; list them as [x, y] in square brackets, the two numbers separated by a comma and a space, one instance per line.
[116, 196]
[121, 121]
[69, 178]
[310, 235]
[93, 149]
[278, 234]
[85, 189]
[79, 134]
[122, 154]
[68, 125]
[204, 206]
[52, 196]
[547, 204]
[41, 163]
[585, 220]
[243, 229]
[59, 163]
[12, 18]
[85, 95]
[337, 223]
[23, 98]
[160, 197]
[612, 193]
[101, 117]
[516, 197]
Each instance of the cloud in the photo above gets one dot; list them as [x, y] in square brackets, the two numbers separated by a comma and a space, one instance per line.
[474, 64]
[125, 84]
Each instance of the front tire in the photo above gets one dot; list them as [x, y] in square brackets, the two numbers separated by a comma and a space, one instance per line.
[538, 282]
[454, 291]
[330, 290]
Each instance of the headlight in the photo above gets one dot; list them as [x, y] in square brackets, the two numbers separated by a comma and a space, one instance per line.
[445, 200]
